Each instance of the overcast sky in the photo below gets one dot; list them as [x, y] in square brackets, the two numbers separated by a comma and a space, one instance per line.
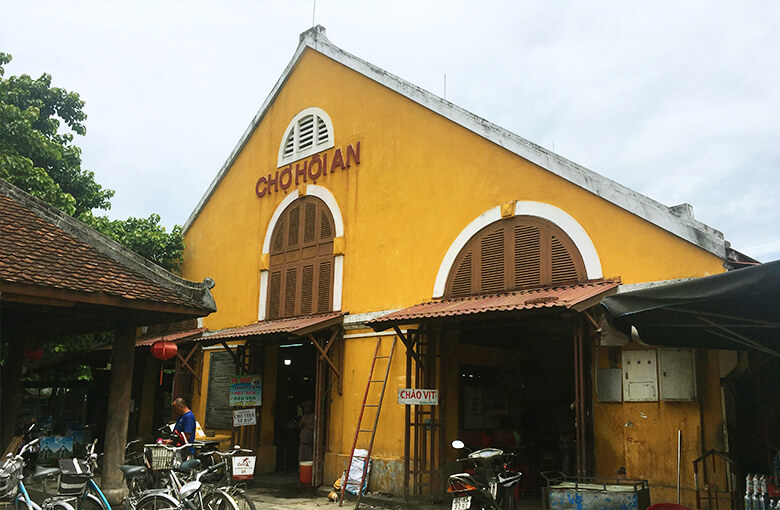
[677, 100]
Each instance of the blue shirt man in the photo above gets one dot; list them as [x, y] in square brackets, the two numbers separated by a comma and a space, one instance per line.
[186, 421]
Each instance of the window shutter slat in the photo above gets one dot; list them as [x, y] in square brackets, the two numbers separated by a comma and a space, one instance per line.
[461, 285]
[324, 287]
[307, 289]
[275, 294]
[528, 269]
[563, 268]
[492, 262]
[309, 222]
[290, 286]
[295, 221]
[325, 229]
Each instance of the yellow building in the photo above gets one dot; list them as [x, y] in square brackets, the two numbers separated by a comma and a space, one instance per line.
[358, 209]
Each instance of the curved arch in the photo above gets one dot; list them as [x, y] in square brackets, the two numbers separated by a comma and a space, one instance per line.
[338, 223]
[292, 131]
[548, 212]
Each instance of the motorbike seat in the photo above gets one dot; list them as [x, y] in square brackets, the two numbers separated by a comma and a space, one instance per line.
[44, 472]
[189, 465]
[130, 471]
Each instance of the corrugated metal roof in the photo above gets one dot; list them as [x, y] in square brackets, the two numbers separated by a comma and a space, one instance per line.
[179, 336]
[579, 297]
[298, 326]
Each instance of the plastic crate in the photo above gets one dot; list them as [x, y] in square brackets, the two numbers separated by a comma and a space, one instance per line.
[159, 457]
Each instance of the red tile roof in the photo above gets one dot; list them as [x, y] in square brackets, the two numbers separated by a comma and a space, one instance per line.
[297, 326]
[41, 246]
[578, 297]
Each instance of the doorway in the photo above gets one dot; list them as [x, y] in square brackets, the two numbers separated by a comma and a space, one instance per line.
[295, 387]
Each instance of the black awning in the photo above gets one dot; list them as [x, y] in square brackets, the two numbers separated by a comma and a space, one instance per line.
[738, 309]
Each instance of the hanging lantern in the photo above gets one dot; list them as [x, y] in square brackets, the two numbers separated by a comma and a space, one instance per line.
[34, 354]
[163, 349]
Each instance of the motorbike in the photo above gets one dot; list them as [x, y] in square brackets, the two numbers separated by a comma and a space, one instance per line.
[491, 487]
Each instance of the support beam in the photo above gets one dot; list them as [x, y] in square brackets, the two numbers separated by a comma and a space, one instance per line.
[324, 351]
[10, 387]
[410, 344]
[118, 411]
[184, 362]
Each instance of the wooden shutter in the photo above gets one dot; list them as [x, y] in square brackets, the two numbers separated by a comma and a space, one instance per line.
[307, 289]
[324, 287]
[301, 260]
[275, 294]
[528, 263]
[515, 253]
[492, 262]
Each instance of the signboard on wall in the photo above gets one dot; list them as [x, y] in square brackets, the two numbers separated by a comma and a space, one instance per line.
[245, 390]
[244, 417]
[415, 397]
[219, 415]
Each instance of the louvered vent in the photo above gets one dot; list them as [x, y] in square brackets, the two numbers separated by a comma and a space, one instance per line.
[295, 221]
[278, 243]
[325, 230]
[528, 263]
[492, 267]
[461, 285]
[322, 132]
[290, 285]
[307, 284]
[563, 268]
[289, 144]
[323, 287]
[309, 222]
[275, 292]
[306, 132]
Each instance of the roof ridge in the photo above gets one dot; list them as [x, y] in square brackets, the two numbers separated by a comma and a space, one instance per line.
[676, 220]
[197, 292]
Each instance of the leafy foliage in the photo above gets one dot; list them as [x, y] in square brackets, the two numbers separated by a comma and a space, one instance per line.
[37, 154]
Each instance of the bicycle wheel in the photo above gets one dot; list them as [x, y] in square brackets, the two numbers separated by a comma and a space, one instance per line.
[156, 502]
[61, 505]
[90, 502]
[242, 500]
[219, 500]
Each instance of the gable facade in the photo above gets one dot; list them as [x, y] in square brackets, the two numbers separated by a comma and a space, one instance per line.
[411, 199]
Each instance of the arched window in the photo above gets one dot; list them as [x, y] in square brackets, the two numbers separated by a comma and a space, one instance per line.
[513, 253]
[301, 260]
[309, 132]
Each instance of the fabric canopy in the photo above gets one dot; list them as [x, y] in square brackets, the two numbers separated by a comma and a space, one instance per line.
[734, 310]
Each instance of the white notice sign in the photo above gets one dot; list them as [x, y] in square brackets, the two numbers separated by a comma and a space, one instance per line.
[418, 397]
[242, 417]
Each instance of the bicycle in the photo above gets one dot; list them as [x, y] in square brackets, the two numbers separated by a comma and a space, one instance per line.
[228, 481]
[188, 497]
[12, 486]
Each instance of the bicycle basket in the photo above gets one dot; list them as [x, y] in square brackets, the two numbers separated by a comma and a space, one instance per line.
[74, 477]
[159, 457]
[9, 473]
[242, 467]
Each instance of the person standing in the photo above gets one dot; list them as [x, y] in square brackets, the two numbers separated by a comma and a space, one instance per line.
[306, 436]
[185, 424]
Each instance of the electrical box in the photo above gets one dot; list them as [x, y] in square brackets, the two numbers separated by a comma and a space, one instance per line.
[676, 371]
[640, 376]
[609, 385]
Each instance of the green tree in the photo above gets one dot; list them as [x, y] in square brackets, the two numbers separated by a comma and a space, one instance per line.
[37, 154]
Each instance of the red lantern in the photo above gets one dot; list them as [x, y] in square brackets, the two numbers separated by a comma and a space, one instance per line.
[34, 354]
[163, 349]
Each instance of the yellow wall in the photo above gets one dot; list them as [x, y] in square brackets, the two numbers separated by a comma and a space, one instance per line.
[420, 181]
[417, 169]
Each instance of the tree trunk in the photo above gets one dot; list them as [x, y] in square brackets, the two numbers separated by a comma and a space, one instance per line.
[10, 384]
[118, 412]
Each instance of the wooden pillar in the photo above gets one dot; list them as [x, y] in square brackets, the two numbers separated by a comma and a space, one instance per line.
[266, 451]
[118, 412]
[10, 385]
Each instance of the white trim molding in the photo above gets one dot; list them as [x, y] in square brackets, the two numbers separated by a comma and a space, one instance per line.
[548, 212]
[338, 271]
[293, 126]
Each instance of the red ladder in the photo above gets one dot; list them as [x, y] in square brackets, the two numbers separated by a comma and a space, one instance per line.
[372, 430]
